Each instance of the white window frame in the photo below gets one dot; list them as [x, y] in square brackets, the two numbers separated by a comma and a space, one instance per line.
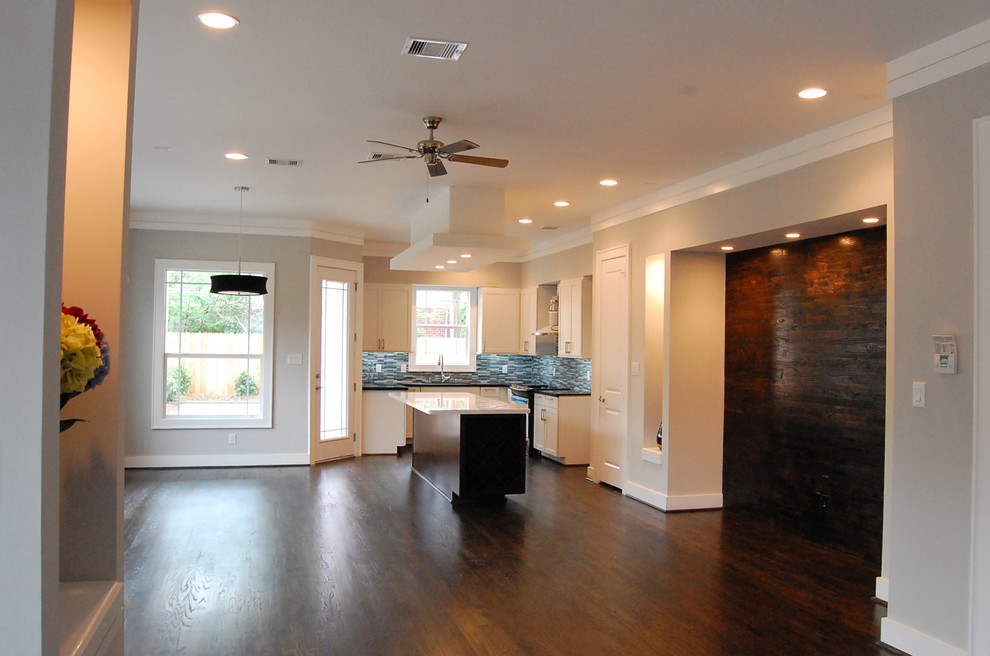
[472, 336]
[158, 418]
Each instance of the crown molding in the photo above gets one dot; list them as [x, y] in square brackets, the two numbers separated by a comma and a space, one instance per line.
[864, 130]
[955, 54]
[570, 239]
[252, 225]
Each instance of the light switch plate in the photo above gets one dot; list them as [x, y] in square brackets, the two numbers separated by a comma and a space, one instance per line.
[918, 394]
[293, 358]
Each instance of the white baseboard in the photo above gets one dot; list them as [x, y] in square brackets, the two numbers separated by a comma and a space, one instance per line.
[916, 643]
[231, 460]
[672, 503]
[882, 589]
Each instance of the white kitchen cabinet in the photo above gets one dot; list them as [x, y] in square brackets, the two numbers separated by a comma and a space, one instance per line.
[498, 320]
[527, 320]
[383, 423]
[574, 336]
[387, 313]
[561, 428]
[495, 392]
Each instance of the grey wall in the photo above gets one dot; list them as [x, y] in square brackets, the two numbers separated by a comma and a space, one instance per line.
[287, 440]
[929, 495]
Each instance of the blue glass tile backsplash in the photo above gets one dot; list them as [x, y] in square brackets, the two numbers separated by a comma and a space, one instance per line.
[553, 372]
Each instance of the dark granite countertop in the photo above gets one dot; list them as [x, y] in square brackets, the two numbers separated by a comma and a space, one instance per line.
[402, 386]
[562, 392]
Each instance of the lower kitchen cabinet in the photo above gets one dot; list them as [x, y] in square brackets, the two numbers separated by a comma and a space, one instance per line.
[383, 423]
[561, 428]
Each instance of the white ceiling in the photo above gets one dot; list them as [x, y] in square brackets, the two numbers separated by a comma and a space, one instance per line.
[649, 92]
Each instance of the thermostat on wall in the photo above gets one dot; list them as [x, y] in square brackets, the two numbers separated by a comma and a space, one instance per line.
[945, 354]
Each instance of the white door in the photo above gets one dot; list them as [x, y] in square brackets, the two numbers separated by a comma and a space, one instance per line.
[611, 375]
[335, 364]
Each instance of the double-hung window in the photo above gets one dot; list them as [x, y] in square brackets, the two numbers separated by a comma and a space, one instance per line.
[213, 352]
[444, 325]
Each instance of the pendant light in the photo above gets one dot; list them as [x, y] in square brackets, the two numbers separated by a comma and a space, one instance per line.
[241, 284]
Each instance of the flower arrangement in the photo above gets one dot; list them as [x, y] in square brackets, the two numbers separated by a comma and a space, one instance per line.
[85, 357]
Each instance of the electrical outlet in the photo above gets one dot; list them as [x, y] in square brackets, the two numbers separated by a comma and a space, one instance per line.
[231, 438]
[402, 367]
[378, 368]
[505, 368]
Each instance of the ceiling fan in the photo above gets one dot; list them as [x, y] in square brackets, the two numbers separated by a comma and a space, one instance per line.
[434, 152]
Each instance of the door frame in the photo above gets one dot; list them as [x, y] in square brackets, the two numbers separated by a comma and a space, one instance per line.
[979, 631]
[315, 305]
[597, 393]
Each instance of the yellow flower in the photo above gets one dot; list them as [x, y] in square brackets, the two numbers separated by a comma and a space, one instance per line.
[80, 355]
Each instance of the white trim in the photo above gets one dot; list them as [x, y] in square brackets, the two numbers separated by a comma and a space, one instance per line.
[910, 641]
[356, 408]
[91, 617]
[955, 54]
[254, 225]
[882, 588]
[652, 454]
[864, 130]
[979, 629]
[474, 317]
[158, 418]
[667, 503]
[567, 241]
[203, 460]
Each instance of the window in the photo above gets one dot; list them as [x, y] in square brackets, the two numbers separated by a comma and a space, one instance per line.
[444, 324]
[213, 352]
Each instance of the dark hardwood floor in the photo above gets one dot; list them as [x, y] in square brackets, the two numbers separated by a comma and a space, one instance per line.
[362, 557]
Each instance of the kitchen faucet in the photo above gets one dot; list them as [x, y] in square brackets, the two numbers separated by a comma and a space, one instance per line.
[443, 377]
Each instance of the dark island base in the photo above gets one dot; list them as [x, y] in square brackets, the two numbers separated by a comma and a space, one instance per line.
[471, 458]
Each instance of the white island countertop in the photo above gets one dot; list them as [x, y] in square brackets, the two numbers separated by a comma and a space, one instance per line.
[462, 403]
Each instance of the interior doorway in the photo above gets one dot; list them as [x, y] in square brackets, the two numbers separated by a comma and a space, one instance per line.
[335, 360]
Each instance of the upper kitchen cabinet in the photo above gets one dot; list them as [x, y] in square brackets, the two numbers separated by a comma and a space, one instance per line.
[527, 321]
[498, 320]
[387, 312]
[574, 335]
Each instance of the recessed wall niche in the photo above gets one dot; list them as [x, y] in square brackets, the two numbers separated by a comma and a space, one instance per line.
[805, 358]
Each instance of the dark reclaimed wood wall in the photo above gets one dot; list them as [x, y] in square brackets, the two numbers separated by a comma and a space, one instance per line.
[805, 348]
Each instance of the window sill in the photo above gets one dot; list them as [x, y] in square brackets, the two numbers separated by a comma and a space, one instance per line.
[652, 454]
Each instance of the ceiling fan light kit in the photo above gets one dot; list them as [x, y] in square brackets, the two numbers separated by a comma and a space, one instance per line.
[433, 152]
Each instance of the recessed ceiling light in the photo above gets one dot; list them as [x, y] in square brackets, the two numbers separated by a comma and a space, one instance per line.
[451, 261]
[439, 266]
[728, 248]
[793, 235]
[525, 220]
[218, 21]
[871, 219]
[465, 255]
[811, 94]
[236, 156]
[608, 182]
[561, 203]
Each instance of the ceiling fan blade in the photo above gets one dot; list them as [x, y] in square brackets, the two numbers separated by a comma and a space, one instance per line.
[458, 146]
[385, 143]
[484, 161]
[436, 168]
[386, 157]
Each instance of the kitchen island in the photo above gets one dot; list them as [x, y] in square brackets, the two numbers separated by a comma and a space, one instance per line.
[468, 447]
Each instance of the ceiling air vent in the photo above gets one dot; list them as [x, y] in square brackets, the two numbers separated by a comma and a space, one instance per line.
[274, 161]
[431, 49]
[549, 228]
